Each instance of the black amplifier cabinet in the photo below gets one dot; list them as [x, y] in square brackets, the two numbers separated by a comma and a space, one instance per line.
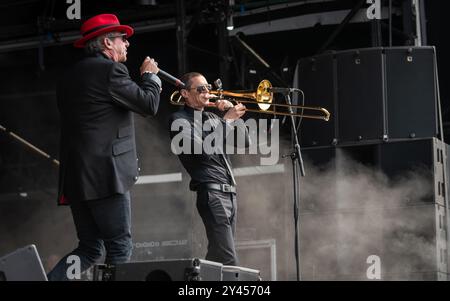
[192, 269]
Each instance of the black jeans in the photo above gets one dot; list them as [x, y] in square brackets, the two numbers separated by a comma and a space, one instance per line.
[100, 224]
[218, 211]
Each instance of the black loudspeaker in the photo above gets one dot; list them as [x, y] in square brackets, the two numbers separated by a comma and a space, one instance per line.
[235, 273]
[400, 243]
[316, 77]
[375, 212]
[360, 94]
[373, 95]
[164, 270]
[24, 264]
[411, 92]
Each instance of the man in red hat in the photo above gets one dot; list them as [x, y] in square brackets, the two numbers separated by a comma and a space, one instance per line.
[96, 99]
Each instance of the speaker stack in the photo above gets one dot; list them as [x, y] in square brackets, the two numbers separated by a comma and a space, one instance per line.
[373, 95]
[385, 117]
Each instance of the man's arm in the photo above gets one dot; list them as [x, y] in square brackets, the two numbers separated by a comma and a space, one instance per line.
[124, 91]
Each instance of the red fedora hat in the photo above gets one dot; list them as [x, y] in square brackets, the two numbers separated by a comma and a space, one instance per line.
[99, 25]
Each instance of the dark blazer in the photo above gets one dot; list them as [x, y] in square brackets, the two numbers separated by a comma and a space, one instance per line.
[96, 98]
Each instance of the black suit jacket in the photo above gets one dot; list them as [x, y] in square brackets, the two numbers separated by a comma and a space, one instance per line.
[96, 98]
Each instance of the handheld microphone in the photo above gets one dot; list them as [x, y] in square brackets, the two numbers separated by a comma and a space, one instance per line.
[171, 79]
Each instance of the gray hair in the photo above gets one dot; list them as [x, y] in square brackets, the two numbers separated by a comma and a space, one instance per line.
[96, 45]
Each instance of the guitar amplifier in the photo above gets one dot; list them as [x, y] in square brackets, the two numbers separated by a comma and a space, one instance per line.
[192, 269]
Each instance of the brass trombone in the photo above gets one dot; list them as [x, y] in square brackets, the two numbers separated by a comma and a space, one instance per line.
[263, 97]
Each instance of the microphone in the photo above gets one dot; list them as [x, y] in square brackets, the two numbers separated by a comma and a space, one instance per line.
[282, 90]
[171, 79]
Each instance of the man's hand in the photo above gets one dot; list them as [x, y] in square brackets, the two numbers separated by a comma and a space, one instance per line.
[223, 104]
[235, 112]
[149, 64]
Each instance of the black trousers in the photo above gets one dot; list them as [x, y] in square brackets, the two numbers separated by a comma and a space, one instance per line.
[218, 212]
[99, 223]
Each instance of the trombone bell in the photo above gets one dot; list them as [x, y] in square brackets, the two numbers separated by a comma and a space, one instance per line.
[263, 96]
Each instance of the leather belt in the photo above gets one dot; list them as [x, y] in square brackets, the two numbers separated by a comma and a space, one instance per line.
[219, 187]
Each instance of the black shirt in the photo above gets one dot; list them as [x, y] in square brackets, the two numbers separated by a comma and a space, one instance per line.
[204, 167]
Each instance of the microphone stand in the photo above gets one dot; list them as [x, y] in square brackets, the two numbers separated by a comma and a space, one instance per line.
[297, 162]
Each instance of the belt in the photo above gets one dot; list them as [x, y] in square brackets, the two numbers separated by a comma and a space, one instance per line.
[219, 187]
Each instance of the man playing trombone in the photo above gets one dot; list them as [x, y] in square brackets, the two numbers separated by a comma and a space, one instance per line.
[211, 173]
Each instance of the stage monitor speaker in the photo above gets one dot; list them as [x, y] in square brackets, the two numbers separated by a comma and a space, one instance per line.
[192, 269]
[24, 264]
[235, 273]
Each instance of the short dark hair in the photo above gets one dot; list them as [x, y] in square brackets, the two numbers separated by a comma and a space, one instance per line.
[186, 78]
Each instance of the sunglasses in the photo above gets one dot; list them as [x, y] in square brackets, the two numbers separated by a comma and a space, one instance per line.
[202, 88]
[123, 36]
